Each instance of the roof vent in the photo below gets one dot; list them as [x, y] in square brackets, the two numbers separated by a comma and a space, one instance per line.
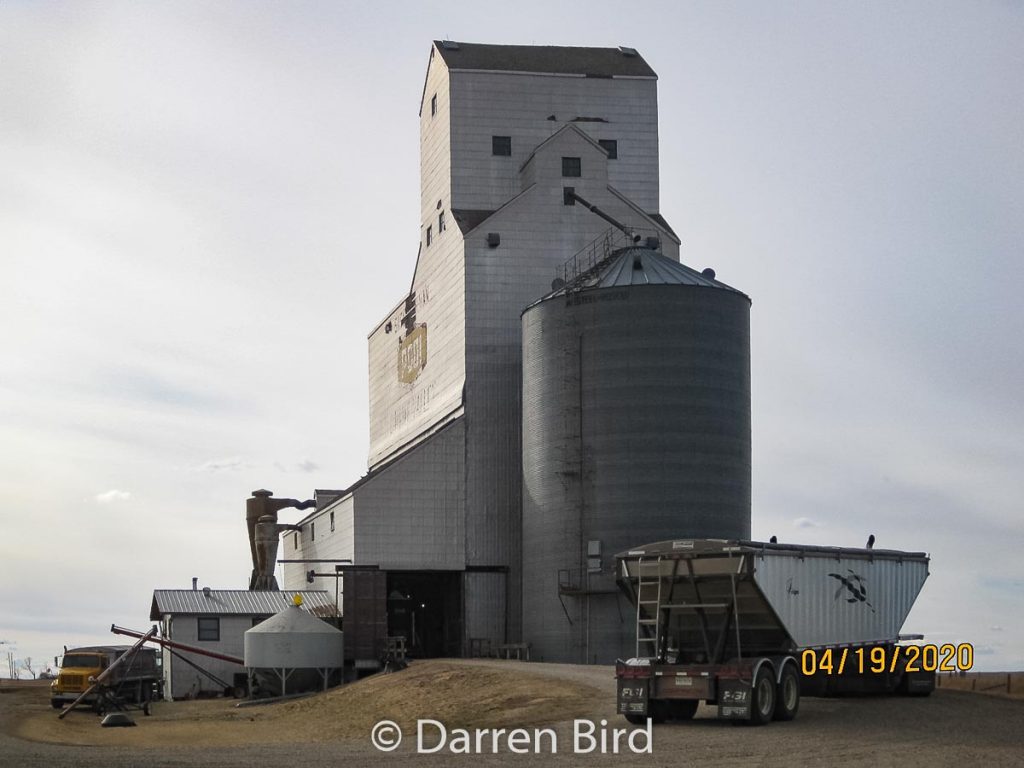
[708, 272]
[638, 263]
[451, 45]
[206, 591]
[631, 52]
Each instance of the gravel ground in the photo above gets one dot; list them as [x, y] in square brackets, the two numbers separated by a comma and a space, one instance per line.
[950, 728]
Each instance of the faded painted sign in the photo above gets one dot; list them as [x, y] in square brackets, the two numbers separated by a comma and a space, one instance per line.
[412, 354]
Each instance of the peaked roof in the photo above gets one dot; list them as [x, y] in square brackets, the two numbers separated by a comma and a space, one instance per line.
[239, 602]
[550, 59]
[638, 265]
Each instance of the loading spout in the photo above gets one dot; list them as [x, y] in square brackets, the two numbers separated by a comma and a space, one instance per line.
[571, 195]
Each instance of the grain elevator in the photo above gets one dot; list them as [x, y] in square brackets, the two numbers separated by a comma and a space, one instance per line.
[552, 383]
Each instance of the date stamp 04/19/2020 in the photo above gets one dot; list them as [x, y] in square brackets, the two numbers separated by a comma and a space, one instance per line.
[882, 659]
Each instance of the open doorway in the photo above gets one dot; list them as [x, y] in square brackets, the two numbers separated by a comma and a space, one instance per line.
[425, 607]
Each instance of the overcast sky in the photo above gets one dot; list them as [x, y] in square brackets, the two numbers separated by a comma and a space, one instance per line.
[205, 207]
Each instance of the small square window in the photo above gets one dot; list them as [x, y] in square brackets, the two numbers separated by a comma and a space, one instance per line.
[440, 222]
[332, 522]
[208, 629]
[611, 146]
[430, 235]
[571, 167]
[501, 145]
[433, 105]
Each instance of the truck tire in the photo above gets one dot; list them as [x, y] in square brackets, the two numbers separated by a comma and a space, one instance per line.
[762, 706]
[787, 694]
[636, 719]
[683, 709]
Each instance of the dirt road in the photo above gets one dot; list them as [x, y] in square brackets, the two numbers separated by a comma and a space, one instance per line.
[950, 728]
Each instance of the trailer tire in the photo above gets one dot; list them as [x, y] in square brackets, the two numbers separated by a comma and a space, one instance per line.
[762, 707]
[658, 710]
[683, 709]
[636, 719]
[787, 695]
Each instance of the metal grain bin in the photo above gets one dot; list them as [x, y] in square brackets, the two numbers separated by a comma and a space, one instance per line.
[293, 651]
[636, 427]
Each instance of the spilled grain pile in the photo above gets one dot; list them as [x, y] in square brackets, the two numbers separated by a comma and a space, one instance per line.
[458, 694]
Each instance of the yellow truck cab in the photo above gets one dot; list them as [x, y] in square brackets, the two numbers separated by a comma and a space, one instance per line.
[134, 680]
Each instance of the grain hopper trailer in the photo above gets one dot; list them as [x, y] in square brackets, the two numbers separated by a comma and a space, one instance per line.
[750, 626]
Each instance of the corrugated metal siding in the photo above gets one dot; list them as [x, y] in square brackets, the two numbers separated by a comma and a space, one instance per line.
[538, 234]
[412, 514]
[484, 601]
[819, 609]
[636, 428]
[338, 544]
[486, 104]
[224, 602]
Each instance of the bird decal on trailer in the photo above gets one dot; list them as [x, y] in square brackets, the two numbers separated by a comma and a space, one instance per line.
[855, 585]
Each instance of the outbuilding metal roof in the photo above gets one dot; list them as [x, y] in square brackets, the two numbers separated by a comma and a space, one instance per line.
[550, 59]
[239, 602]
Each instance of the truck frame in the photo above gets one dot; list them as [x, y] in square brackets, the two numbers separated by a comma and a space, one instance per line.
[730, 623]
[133, 682]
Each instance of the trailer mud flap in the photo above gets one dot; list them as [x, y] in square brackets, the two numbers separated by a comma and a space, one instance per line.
[734, 699]
[633, 696]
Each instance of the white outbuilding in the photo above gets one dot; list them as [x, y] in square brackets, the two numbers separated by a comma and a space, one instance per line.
[216, 620]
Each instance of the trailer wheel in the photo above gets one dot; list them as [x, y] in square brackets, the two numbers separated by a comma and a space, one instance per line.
[763, 705]
[683, 709]
[636, 719]
[658, 711]
[787, 695]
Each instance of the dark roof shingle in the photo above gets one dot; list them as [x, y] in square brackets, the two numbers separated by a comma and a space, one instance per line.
[565, 60]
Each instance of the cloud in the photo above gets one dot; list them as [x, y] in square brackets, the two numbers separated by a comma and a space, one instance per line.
[806, 522]
[224, 465]
[112, 496]
[305, 465]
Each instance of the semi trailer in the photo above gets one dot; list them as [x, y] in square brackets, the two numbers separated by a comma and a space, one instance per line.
[752, 626]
